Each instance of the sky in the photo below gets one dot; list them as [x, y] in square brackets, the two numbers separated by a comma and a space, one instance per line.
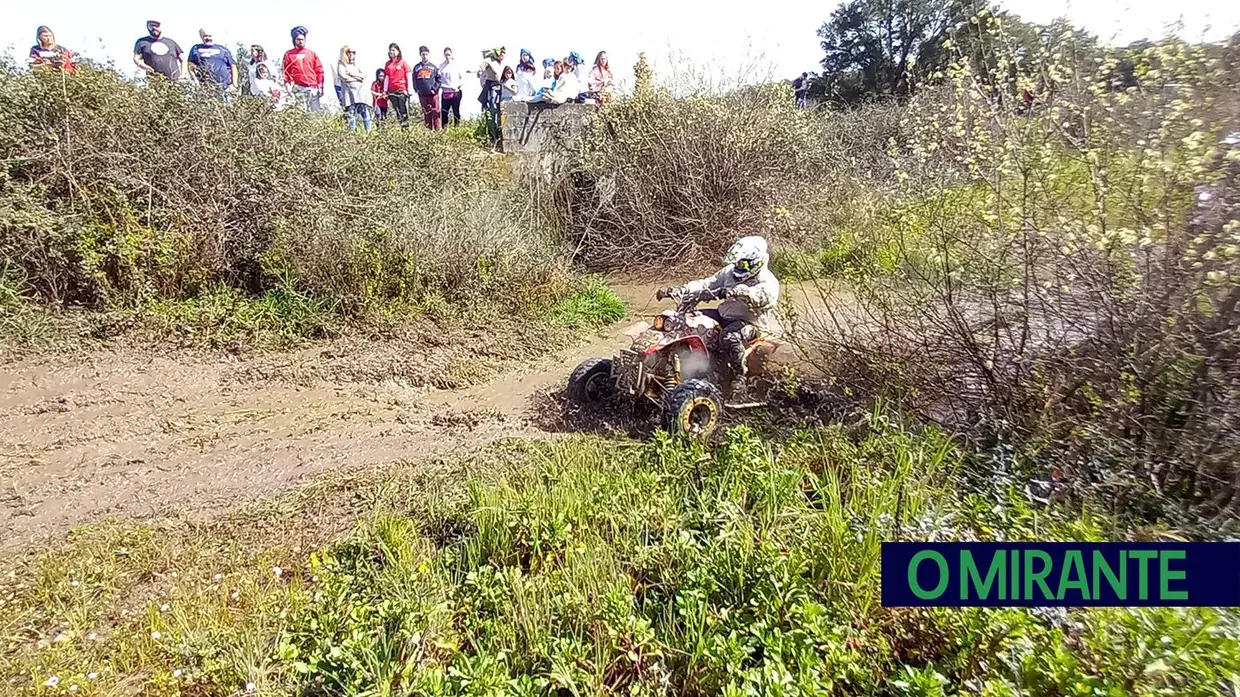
[692, 39]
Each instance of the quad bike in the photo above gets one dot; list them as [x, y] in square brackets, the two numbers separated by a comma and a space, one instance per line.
[673, 362]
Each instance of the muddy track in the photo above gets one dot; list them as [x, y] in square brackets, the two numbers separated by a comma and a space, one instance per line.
[125, 432]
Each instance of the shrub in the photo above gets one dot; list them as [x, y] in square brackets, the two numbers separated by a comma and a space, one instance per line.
[1059, 285]
[671, 182]
[114, 194]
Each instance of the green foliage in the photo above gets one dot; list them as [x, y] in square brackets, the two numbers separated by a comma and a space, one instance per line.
[115, 195]
[593, 566]
[665, 182]
[877, 49]
[594, 305]
[1058, 275]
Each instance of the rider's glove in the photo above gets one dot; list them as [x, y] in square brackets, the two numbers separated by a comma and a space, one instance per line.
[740, 291]
[669, 292]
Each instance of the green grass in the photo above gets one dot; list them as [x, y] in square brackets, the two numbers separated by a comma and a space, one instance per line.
[586, 566]
[594, 304]
[225, 314]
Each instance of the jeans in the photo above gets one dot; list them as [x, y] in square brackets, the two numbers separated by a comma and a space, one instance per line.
[359, 109]
[430, 110]
[490, 99]
[451, 103]
[399, 102]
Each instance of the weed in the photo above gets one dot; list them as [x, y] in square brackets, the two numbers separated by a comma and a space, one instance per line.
[590, 565]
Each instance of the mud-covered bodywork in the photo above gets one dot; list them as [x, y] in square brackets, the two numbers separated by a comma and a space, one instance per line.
[665, 353]
[671, 363]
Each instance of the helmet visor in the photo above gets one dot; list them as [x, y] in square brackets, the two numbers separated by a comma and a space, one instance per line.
[746, 266]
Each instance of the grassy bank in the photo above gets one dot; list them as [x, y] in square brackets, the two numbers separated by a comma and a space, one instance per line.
[167, 205]
[588, 565]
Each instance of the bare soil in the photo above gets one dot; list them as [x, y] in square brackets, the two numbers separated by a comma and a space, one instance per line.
[132, 431]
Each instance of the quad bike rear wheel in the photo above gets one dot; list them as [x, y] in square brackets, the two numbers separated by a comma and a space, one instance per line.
[591, 382]
[693, 408]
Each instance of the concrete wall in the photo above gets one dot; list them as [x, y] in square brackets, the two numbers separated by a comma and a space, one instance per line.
[544, 129]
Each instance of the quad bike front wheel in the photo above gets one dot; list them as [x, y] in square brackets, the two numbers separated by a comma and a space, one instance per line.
[591, 382]
[693, 408]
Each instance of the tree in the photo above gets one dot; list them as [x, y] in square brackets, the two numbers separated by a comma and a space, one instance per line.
[884, 48]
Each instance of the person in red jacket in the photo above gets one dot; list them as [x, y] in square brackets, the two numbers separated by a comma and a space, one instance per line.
[303, 71]
[397, 80]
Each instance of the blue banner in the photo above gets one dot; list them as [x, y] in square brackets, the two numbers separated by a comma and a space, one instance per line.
[1063, 574]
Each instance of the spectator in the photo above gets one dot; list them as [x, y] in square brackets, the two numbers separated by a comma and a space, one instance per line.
[263, 85]
[426, 84]
[353, 89]
[396, 81]
[258, 56]
[508, 85]
[801, 87]
[157, 54]
[601, 82]
[551, 68]
[451, 80]
[567, 89]
[214, 66]
[490, 73]
[47, 52]
[580, 74]
[527, 78]
[303, 72]
[526, 64]
[380, 96]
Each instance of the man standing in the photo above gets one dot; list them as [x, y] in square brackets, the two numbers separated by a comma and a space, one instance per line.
[157, 54]
[451, 80]
[303, 71]
[489, 74]
[426, 84]
[213, 65]
[801, 87]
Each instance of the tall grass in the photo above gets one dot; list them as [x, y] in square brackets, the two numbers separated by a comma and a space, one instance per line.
[114, 195]
[592, 566]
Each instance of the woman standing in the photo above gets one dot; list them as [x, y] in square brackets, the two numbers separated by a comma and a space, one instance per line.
[600, 79]
[490, 74]
[47, 52]
[508, 85]
[451, 82]
[353, 89]
[397, 79]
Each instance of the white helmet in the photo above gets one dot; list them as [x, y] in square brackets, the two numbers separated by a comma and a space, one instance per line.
[747, 257]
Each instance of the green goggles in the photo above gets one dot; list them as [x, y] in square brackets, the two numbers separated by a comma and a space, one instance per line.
[747, 265]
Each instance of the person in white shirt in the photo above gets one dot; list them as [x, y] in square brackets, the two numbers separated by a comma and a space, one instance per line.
[262, 85]
[451, 81]
[258, 57]
[567, 88]
[581, 73]
[527, 78]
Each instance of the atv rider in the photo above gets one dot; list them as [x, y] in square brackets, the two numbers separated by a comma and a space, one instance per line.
[749, 292]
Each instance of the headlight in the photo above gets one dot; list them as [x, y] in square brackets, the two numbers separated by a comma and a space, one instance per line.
[658, 322]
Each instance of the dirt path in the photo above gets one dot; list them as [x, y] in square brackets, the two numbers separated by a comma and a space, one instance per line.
[128, 433]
